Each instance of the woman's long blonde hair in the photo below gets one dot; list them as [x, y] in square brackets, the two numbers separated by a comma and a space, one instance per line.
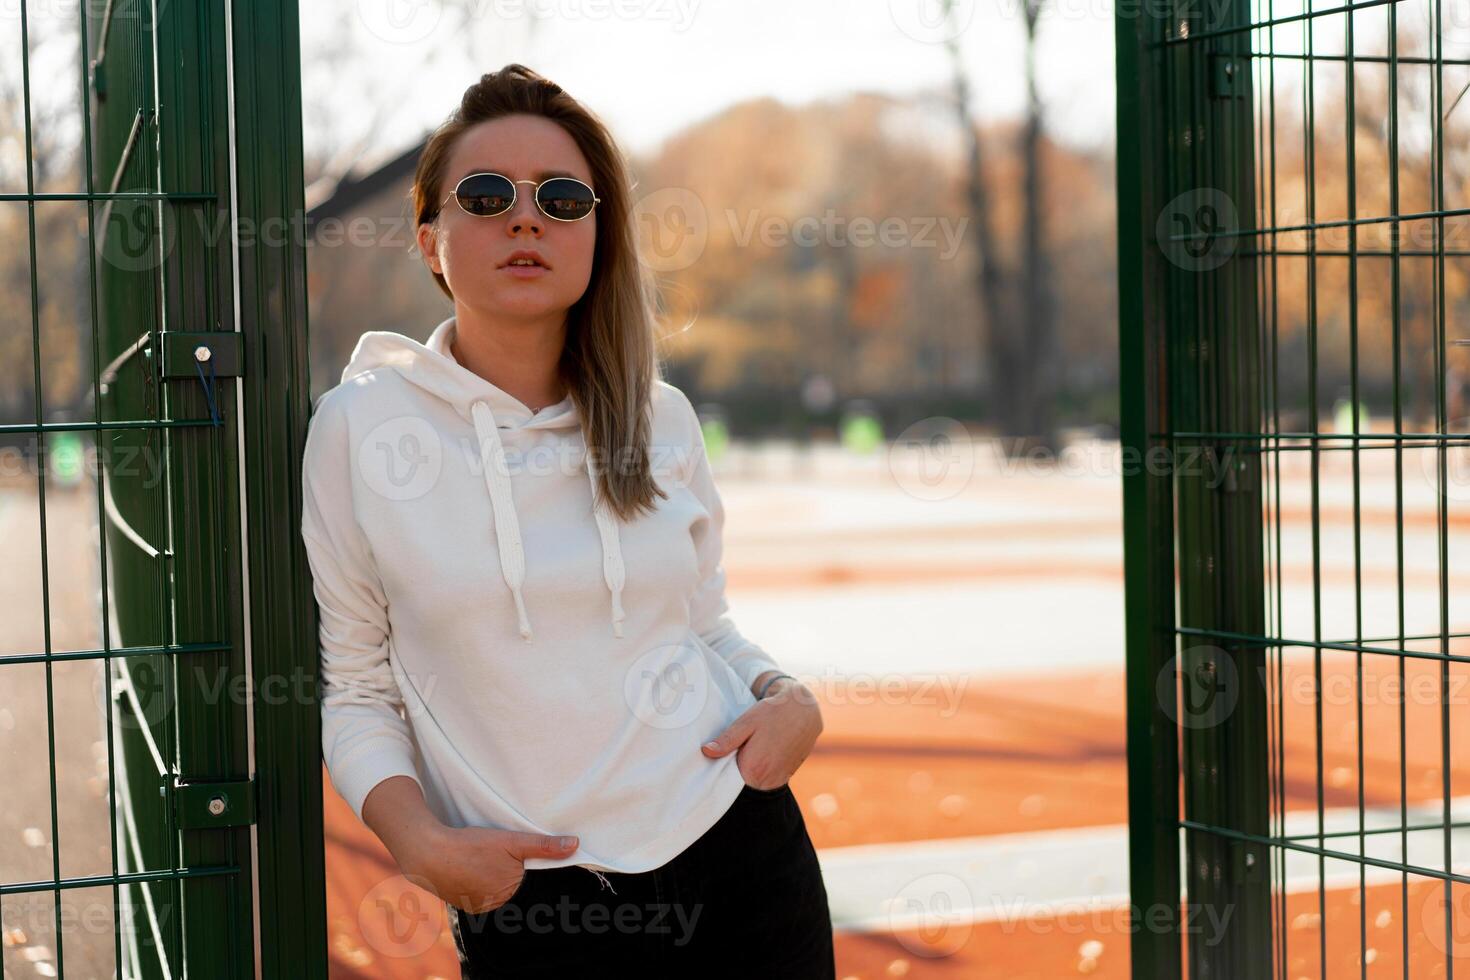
[610, 359]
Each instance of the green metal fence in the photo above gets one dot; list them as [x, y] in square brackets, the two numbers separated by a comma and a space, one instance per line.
[1292, 183]
[190, 142]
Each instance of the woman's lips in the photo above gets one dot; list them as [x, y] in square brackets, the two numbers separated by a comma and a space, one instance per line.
[525, 271]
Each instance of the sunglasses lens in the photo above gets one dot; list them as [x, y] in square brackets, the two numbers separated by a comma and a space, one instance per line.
[565, 199]
[485, 194]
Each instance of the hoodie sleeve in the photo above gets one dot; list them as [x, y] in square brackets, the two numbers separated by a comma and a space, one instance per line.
[365, 737]
[709, 608]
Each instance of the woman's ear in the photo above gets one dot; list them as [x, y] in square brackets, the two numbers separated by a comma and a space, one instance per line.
[428, 241]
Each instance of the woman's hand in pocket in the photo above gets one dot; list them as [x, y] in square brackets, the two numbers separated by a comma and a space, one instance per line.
[477, 869]
[773, 736]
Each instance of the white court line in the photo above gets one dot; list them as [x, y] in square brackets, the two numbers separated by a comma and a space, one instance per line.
[1008, 877]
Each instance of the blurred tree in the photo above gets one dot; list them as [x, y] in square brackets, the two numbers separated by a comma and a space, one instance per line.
[1019, 323]
[43, 153]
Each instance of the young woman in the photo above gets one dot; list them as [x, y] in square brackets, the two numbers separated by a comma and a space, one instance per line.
[531, 690]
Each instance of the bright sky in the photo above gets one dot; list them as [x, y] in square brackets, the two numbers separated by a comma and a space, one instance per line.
[652, 67]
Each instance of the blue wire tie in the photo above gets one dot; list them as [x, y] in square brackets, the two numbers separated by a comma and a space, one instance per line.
[209, 389]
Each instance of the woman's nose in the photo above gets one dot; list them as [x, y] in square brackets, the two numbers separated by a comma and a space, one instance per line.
[524, 214]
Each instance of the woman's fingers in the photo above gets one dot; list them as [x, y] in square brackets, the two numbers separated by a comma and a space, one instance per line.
[732, 737]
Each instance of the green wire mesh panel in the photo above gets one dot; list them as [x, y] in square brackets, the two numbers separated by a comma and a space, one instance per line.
[1294, 233]
[165, 453]
[166, 821]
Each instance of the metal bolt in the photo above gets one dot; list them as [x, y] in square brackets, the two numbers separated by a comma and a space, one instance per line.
[217, 805]
[1250, 860]
[202, 353]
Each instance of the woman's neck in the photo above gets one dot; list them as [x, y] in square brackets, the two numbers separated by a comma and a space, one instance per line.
[529, 373]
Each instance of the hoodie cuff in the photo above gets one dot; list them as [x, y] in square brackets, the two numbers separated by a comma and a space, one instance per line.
[751, 662]
[357, 778]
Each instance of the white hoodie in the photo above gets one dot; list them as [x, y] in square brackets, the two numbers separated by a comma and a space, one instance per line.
[535, 664]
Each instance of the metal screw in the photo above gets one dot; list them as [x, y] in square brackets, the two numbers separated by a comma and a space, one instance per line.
[217, 805]
[202, 353]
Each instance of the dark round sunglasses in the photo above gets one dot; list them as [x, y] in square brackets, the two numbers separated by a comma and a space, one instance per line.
[485, 195]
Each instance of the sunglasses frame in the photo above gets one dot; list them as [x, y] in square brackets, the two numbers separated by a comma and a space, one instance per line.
[515, 195]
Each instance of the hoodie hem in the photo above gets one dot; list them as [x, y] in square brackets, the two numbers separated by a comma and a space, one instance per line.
[673, 843]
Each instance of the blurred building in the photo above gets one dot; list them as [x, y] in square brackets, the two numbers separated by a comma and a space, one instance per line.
[363, 267]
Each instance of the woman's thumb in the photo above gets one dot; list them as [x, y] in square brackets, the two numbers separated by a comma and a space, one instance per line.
[544, 845]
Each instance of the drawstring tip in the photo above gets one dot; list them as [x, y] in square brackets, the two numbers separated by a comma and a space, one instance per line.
[525, 621]
[617, 612]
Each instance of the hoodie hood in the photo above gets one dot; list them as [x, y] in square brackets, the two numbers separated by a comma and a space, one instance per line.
[432, 367]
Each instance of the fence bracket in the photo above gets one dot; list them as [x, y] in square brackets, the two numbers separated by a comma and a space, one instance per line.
[1251, 860]
[1227, 76]
[207, 806]
[223, 351]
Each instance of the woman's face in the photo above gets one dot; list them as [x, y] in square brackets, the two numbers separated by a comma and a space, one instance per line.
[472, 253]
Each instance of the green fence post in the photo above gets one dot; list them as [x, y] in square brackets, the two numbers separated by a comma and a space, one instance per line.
[1191, 380]
[277, 404]
[1148, 520]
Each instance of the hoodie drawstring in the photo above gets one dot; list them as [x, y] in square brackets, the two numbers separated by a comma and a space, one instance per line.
[612, 553]
[507, 525]
[508, 528]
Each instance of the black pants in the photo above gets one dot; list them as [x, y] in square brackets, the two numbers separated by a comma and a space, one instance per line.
[744, 900]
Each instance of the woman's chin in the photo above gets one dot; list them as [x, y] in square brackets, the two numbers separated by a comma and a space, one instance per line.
[523, 300]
